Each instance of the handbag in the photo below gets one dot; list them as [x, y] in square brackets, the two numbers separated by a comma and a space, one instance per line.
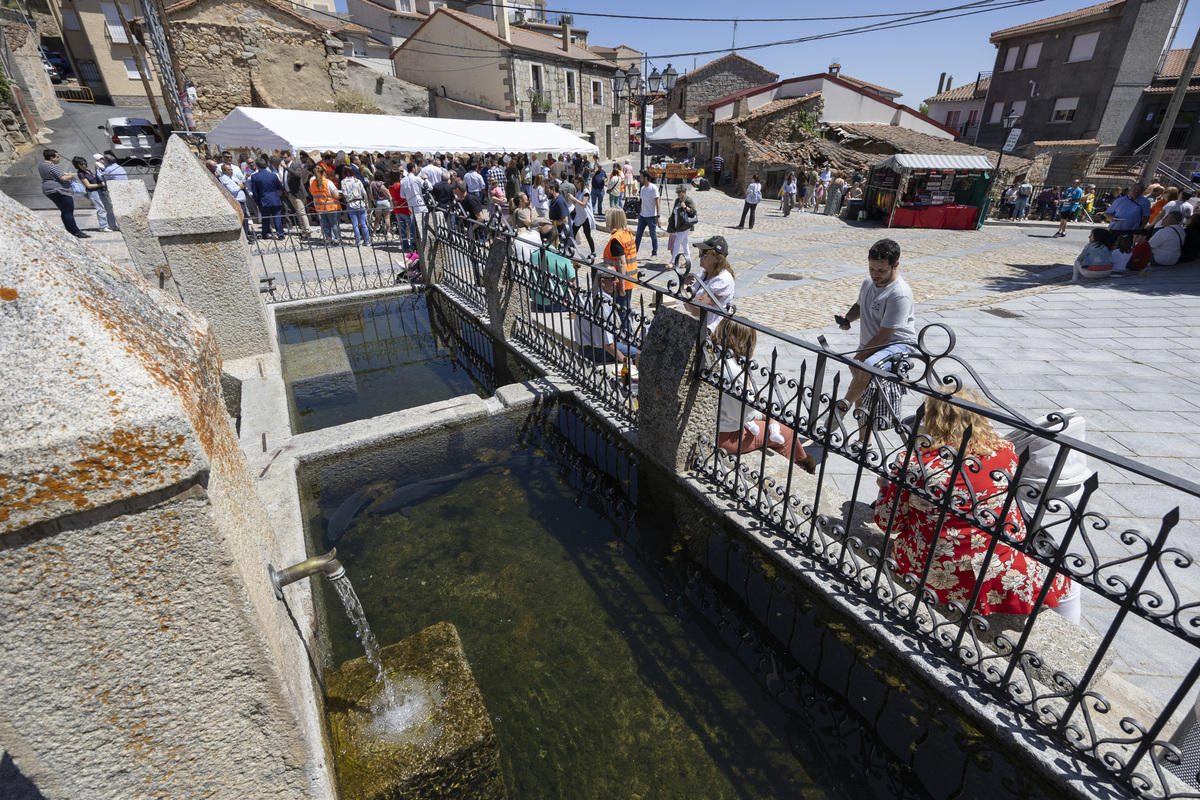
[77, 186]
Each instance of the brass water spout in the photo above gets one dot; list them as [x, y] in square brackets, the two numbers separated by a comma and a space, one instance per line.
[328, 565]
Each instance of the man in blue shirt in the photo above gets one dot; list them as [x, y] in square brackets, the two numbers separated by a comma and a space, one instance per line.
[560, 210]
[1129, 212]
[1070, 207]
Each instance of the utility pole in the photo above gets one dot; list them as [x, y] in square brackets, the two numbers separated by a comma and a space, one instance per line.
[1164, 130]
[141, 68]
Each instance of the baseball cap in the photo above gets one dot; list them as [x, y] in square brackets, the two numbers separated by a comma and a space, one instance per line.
[717, 243]
[97, 156]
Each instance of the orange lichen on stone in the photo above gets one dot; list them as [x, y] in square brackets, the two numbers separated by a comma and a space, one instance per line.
[8, 294]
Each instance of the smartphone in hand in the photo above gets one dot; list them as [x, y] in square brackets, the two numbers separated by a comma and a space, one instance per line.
[840, 320]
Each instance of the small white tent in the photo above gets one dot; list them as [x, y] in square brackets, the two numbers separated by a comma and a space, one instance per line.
[675, 131]
[278, 129]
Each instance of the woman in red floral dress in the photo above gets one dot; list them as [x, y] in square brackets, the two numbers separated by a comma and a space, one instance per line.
[1012, 580]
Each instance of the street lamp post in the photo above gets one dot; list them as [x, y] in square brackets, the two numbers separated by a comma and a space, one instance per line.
[641, 91]
[1009, 122]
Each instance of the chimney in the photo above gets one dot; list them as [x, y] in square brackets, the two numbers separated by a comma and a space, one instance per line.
[502, 20]
[949, 81]
[834, 69]
[566, 34]
[941, 82]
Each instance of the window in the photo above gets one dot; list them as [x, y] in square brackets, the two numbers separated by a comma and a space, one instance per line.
[570, 87]
[1032, 53]
[70, 20]
[535, 77]
[1010, 59]
[116, 31]
[952, 118]
[597, 93]
[972, 117]
[404, 5]
[1083, 47]
[1064, 109]
[997, 113]
[131, 70]
[1019, 107]
[88, 72]
[320, 7]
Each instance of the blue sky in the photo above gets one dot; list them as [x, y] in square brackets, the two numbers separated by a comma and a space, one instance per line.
[906, 59]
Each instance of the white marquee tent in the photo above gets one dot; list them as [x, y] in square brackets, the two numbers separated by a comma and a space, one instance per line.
[675, 131]
[278, 129]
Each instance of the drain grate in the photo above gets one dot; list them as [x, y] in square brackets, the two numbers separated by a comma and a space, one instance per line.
[1003, 312]
[786, 276]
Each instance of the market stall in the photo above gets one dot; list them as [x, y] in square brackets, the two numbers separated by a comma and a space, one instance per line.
[927, 191]
[268, 129]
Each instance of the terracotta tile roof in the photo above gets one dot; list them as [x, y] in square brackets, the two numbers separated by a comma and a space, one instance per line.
[729, 98]
[770, 108]
[1060, 20]
[1173, 67]
[1068, 143]
[910, 141]
[522, 39]
[1193, 86]
[968, 91]
[865, 85]
[726, 58]
[810, 152]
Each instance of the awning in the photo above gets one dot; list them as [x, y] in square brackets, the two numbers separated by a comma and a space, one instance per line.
[903, 161]
[278, 129]
[675, 131]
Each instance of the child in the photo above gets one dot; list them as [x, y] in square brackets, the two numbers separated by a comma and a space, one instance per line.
[1121, 253]
[740, 426]
[1095, 261]
[1139, 261]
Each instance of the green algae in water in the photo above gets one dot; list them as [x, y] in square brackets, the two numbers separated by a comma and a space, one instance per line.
[601, 678]
[403, 351]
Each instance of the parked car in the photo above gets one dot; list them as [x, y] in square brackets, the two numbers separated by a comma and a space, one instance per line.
[58, 61]
[52, 72]
[133, 139]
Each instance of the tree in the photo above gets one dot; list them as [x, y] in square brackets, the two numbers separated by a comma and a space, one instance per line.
[924, 108]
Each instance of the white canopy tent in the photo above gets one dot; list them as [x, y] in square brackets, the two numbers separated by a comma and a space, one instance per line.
[675, 131]
[279, 128]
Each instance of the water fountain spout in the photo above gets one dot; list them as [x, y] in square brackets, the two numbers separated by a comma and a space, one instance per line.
[327, 565]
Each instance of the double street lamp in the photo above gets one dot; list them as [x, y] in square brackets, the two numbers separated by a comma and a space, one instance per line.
[630, 86]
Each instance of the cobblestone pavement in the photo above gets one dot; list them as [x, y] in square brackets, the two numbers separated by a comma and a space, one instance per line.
[1121, 352]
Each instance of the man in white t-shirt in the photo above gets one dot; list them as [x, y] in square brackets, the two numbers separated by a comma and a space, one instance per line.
[885, 310]
[648, 216]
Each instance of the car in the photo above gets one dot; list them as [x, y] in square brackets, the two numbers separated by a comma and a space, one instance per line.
[134, 139]
[57, 61]
[52, 72]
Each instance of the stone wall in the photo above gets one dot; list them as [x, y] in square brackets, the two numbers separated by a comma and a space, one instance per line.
[609, 130]
[715, 81]
[247, 54]
[147, 653]
[392, 95]
[32, 77]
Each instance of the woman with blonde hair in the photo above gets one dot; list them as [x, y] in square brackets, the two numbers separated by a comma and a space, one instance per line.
[740, 427]
[1011, 580]
[620, 255]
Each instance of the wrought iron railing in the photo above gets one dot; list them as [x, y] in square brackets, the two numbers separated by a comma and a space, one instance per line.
[463, 255]
[1044, 511]
[302, 262]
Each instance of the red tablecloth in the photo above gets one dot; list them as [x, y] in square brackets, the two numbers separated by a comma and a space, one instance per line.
[959, 218]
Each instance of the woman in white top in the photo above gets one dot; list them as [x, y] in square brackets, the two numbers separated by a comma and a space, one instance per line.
[741, 428]
[581, 214]
[753, 198]
[715, 287]
[789, 194]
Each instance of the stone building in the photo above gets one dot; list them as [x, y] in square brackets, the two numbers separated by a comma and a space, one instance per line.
[622, 55]
[1076, 80]
[1183, 146]
[716, 79]
[258, 53]
[513, 73]
[798, 109]
[29, 100]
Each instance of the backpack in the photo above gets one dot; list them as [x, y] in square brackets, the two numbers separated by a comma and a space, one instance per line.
[1024, 190]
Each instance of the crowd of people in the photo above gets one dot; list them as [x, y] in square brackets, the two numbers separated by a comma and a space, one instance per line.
[826, 192]
[1148, 227]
